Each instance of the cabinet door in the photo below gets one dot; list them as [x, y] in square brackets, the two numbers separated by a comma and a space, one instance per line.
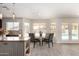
[12, 48]
[5, 49]
[20, 48]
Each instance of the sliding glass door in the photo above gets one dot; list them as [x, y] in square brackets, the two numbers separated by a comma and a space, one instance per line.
[69, 31]
[74, 31]
[53, 28]
[65, 31]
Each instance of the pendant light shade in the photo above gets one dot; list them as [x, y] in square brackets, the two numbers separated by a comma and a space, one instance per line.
[13, 11]
[13, 16]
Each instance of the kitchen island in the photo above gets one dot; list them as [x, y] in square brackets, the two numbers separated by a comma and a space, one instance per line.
[14, 47]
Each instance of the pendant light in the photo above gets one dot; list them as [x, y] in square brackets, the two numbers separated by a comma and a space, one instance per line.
[13, 16]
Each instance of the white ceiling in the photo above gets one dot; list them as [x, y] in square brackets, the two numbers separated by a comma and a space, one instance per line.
[41, 10]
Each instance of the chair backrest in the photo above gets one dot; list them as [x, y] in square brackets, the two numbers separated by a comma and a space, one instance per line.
[47, 36]
[31, 35]
[51, 36]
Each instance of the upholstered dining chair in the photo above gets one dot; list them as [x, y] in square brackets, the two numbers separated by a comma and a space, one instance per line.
[48, 39]
[33, 39]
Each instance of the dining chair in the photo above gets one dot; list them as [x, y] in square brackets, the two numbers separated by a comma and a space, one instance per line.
[48, 39]
[33, 39]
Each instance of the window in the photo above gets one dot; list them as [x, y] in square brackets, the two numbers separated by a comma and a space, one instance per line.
[12, 25]
[53, 28]
[26, 27]
[26, 30]
[39, 27]
[37, 35]
[65, 31]
[74, 31]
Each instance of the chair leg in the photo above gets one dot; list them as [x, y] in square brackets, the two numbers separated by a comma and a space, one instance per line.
[34, 45]
[42, 43]
[49, 44]
[52, 43]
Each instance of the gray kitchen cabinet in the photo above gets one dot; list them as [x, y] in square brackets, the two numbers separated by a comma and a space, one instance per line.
[12, 48]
